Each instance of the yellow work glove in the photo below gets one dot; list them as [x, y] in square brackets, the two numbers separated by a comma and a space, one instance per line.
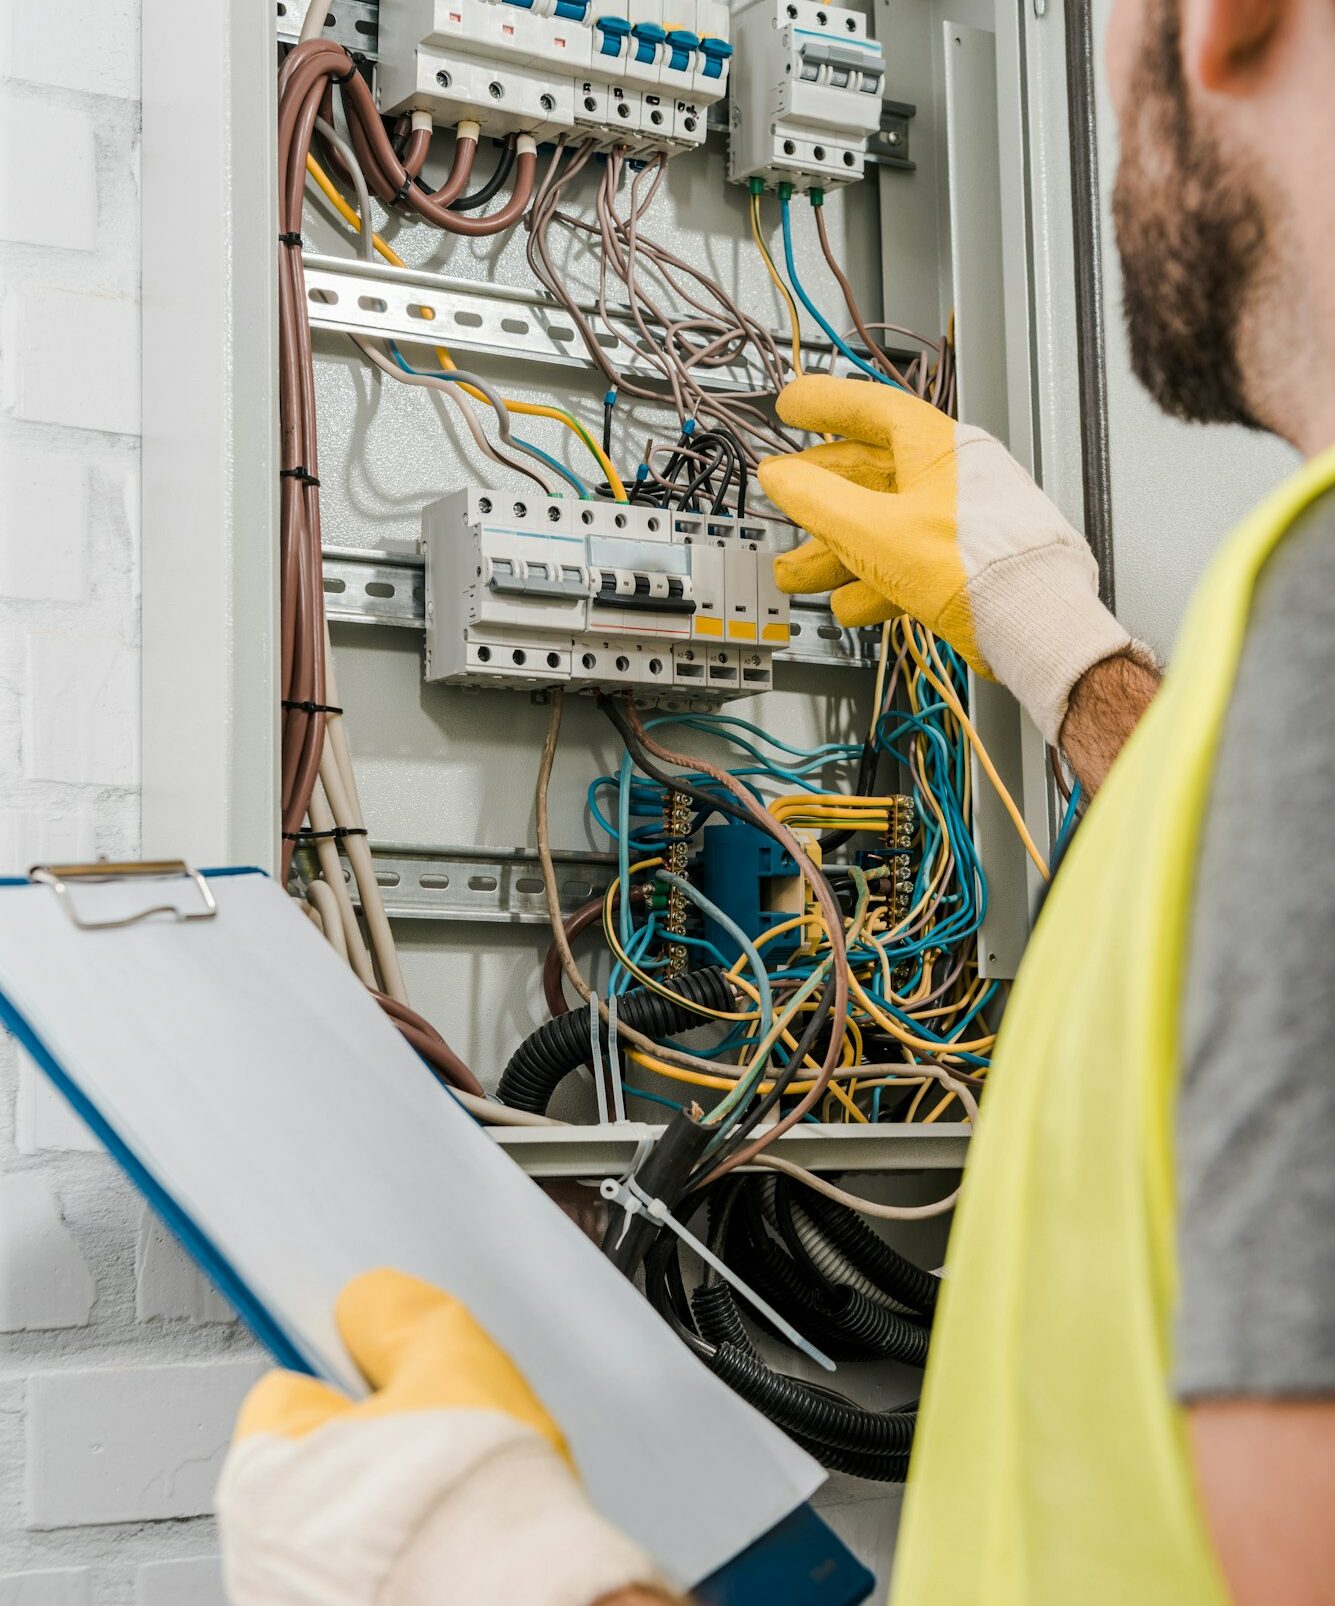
[450, 1484]
[914, 513]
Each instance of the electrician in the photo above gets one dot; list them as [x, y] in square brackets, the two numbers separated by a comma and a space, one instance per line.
[1130, 1399]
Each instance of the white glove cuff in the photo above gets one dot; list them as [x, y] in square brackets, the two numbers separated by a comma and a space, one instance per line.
[1041, 626]
[518, 1529]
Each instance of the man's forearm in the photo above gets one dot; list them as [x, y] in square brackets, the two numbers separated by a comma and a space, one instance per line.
[1105, 707]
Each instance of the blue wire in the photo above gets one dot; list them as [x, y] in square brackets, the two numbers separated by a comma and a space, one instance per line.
[1069, 822]
[811, 306]
[581, 488]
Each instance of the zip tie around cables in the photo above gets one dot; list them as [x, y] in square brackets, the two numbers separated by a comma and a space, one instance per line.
[398, 198]
[299, 473]
[334, 834]
[633, 1199]
[292, 237]
[307, 706]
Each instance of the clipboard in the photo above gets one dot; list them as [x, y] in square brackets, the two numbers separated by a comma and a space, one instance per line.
[107, 974]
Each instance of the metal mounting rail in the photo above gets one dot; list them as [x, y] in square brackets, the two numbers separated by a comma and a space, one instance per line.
[418, 308]
[387, 588]
[606, 1151]
[489, 886]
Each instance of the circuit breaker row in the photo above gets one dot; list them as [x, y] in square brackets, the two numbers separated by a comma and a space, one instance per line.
[536, 591]
[806, 93]
[806, 85]
[635, 73]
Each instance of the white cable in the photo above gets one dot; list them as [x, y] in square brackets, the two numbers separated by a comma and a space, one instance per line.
[320, 896]
[317, 14]
[500, 1114]
[865, 1207]
[331, 869]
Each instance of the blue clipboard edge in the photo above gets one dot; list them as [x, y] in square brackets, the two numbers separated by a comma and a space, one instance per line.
[800, 1551]
[192, 1237]
[798, 1562]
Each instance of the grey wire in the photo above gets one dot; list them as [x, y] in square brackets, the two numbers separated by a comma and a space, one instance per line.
[448, 384]
[348, 157]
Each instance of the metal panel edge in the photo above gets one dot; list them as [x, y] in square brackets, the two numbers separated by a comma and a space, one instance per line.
[210, 508]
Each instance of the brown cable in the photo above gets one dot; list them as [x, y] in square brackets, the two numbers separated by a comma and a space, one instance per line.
[585, 916]
[850, 301]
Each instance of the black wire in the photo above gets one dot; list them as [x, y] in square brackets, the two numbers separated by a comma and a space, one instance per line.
[504, 163]
[751, 1118]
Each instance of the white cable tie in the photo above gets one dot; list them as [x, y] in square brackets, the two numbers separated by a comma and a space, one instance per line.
[596, 1056]
[620, 1193]
[617, 1095]
[633, 1200]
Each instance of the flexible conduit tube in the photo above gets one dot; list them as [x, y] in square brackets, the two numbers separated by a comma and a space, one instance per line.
[819, 1417]
[872, 1255]
[546, 1057]
[833, 1265]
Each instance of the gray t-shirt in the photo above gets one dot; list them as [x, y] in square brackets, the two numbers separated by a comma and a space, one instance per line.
[1256, 1117]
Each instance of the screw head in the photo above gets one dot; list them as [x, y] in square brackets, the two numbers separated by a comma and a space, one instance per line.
[496, 89]
[547, 102]
[443, 79]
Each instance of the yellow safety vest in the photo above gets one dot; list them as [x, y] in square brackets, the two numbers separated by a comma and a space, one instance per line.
[1051, 1466]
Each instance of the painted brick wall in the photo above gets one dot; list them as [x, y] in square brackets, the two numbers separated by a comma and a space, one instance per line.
[120, 1370]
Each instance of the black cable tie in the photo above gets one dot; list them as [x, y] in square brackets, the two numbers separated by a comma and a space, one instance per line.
[309, 707]
[351, 72]
[298, 473]
[292, 237]
[306, 834]
[398, 198]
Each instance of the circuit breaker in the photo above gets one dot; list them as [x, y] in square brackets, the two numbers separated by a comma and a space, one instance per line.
[540, 591]
[806, 94]
[639, 74]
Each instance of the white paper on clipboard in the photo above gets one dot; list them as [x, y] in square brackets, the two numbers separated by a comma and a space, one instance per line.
[248, 1070]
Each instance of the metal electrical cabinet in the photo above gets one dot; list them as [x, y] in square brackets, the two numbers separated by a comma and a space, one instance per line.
[964, 213]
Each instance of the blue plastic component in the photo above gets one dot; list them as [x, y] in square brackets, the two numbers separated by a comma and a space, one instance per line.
[575, 10]
[737, 863]
[799, 1562]
[715, 52]
[648, 35]
[527, 4]
[615, 32]
[682, 42]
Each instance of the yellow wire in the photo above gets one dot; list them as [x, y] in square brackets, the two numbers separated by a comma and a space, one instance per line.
[779, 285]
[952, 702]
[529, 409]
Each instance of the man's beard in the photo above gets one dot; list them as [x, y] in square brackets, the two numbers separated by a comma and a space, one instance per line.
[1191, 236]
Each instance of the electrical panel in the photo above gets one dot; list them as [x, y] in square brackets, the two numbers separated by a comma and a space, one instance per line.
[528, 591]
[637, 74]
[806, 93]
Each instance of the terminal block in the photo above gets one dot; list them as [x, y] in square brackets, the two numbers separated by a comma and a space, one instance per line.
[546, 591]
[806, 94]
[634, 73]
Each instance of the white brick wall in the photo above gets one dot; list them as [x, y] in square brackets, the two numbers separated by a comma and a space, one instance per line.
[119, 1369]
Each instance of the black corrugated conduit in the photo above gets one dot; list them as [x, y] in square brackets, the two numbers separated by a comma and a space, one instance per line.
[547, 1056]
[871, 1254]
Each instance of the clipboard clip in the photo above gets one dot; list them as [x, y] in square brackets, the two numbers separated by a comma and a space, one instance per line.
[59, 876]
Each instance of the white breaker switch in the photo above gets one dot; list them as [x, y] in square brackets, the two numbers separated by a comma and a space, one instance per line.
[546, 591]
[806, 93]
[635, 73]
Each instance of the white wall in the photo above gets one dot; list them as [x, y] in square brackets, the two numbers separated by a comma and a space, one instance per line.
[119, 1370]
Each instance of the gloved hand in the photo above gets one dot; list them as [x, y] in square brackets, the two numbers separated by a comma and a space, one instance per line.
[914, 513]
[449, 1484]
